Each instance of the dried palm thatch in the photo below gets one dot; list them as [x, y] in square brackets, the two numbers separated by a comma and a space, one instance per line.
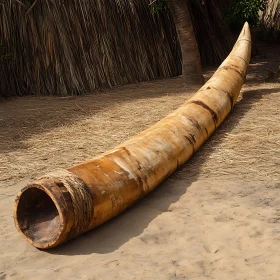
[270, 21]
[213, 35]
[78, 46]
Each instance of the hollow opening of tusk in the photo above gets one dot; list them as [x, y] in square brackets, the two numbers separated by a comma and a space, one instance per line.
[37, 217]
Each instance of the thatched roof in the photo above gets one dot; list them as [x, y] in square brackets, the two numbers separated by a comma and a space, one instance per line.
[214, 37]
[77, 47]
[270, 21]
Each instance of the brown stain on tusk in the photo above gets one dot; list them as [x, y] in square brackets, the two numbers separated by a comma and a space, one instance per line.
[230, 67]
[212, 112]
[227, 93]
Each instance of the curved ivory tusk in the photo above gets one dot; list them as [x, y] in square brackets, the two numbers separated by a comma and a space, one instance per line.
[67, 203]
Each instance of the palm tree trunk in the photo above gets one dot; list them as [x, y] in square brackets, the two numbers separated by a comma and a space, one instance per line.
[191, 65]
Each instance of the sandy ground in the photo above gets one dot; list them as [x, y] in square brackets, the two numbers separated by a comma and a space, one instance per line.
[218, 217]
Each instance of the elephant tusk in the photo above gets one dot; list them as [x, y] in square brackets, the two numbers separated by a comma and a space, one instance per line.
[66, 203]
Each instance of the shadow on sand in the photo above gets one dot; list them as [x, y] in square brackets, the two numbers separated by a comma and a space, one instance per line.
[110, 236]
